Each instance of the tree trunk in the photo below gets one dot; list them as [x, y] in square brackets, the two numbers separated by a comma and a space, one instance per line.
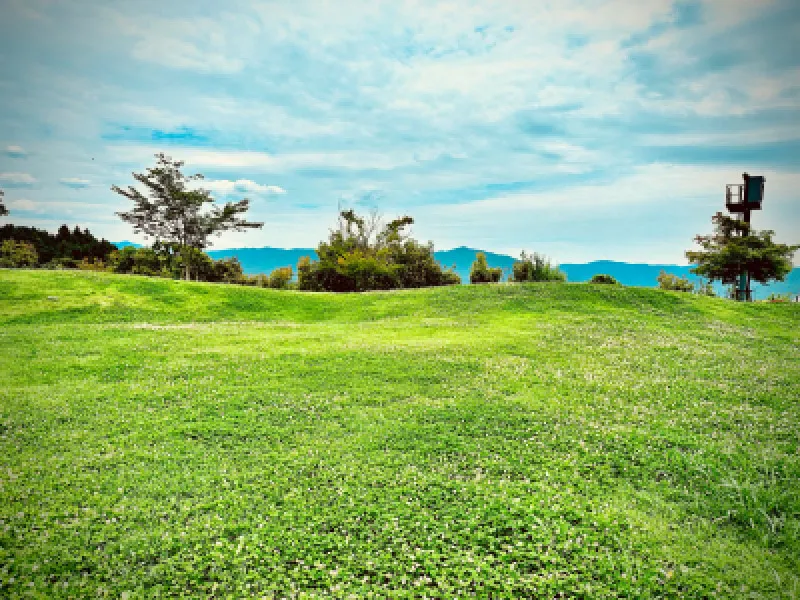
[749, 292]
[187, 271]
[741, 287]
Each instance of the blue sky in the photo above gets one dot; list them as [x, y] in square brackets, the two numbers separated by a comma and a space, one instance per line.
[585, 130]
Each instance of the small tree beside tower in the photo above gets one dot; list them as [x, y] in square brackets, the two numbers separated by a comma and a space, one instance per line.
[735, 253]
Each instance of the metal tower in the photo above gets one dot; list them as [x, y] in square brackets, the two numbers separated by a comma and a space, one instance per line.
[740, 200]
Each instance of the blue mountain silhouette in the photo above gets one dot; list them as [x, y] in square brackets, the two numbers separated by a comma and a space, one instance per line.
[267, 259]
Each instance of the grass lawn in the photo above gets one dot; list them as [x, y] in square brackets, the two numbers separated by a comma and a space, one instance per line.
[161, 438]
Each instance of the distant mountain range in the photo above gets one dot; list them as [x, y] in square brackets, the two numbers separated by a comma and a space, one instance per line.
[267, 259]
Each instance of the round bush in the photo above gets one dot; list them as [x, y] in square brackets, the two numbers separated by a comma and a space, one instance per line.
[603, 278]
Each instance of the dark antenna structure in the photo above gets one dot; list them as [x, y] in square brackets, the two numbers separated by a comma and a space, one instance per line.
[740, 200]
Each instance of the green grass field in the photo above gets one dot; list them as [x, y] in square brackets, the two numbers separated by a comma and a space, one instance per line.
[161, 438]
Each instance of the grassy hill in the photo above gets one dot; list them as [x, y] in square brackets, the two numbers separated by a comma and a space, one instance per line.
[160, 438]
[266, 259]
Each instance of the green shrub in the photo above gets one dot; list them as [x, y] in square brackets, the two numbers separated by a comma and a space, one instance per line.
[306, 276]
[603, 278]
[450, 277]
[61, 263]
[279, 279]
[168, 260]
[16, 254]
[259, 280]
[224, 270]
[364, 254]
[417, 267]
[140, 261]
[88, 264]
[201, 265]
[668, 281]
[536, 267]
[481, 272]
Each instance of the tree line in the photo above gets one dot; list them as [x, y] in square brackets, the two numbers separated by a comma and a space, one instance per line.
[361, 253]
[29, 246]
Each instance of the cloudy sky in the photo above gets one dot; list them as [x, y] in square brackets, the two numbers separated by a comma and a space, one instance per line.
[583, 129]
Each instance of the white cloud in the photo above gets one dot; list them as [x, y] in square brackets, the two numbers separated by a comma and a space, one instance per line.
[184, 55]
[722, 138]
[25, 204]
[268, 118]
[17, 179]
[652, 184]
[84, 211]
[206, 45]
[75, 182]
[262, 161]
[16, 151]
[227, 187]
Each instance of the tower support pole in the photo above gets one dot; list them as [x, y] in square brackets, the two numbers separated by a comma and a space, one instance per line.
[743, 293]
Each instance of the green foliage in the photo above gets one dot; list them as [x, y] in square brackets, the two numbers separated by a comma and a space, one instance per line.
[734, 248]
[306, 275]
[279, 279]
[773, 297]
[3, 209]
[225, 270]
[481, 272]
[259, 280]
[87, 264]
[603, 278]
[169, 260]
[61, 263]
[172, 212]
[143, 261]
[365, 254]
[706, 289]
[168, 439]
[668, 281]
[416, 266]
[16, 254]
[536, 267]
[66, 248]
[449, 277]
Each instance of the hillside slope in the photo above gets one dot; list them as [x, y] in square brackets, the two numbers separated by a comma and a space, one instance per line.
[41, 297]
[160, 438]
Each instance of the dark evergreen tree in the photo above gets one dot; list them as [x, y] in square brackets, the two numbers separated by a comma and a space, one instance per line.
[65, 247]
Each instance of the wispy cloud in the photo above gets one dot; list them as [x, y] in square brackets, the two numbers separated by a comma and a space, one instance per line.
[227, 187]
[75, 182]
[16, 152]
[205, 45]
[25, 204]
[51, 207]
[17, 179]
[262, 161]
